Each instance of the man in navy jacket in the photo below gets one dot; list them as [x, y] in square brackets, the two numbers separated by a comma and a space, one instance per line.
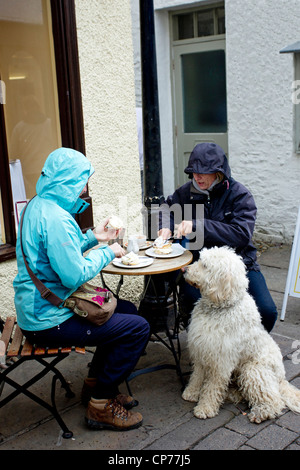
[216, 210]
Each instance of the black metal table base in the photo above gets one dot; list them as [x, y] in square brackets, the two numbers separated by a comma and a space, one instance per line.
[159, 303]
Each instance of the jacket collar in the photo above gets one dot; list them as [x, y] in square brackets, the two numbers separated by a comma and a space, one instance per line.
[217, 188]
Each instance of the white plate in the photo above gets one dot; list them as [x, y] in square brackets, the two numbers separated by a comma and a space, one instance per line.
[144, 261]
[148, 244]
[177, 250]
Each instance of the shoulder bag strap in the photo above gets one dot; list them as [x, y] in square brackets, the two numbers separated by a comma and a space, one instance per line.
[44, 291]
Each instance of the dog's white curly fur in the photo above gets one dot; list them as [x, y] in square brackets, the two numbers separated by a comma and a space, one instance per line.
[228, 344]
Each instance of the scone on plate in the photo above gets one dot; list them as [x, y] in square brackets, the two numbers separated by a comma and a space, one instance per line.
[162, 247]
[131, 259]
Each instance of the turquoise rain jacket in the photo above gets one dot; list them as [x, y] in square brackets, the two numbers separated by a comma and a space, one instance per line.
[53, 242]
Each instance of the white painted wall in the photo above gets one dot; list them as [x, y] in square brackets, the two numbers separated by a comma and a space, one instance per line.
[108, 93]
[260, 109]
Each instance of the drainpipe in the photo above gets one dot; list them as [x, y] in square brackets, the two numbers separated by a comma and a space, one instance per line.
[153, 186]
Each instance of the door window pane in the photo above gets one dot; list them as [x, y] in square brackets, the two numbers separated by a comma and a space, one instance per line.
[200, 23]
[221, 20]
[27, 67]
[205, 22]
[185, 26]
[204, 92]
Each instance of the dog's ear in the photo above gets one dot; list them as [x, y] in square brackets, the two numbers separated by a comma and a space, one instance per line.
[225, 277]
[221, 291]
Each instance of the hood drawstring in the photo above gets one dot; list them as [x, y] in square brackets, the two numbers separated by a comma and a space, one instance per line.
[227, 183]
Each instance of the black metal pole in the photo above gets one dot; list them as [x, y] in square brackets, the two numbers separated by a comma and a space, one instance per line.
[153, 185]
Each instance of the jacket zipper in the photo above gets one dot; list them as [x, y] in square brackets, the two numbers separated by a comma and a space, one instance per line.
[208, 204]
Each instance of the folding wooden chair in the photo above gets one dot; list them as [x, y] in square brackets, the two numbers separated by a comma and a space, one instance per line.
[15, 350]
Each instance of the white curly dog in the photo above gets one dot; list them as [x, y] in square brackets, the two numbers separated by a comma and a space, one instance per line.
[228, 344]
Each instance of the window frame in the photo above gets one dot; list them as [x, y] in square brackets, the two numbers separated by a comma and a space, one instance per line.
[70, 109]
[7, 250]
[194, 12]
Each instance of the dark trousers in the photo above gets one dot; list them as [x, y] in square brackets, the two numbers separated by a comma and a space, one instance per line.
[119, 344]
[257, 289]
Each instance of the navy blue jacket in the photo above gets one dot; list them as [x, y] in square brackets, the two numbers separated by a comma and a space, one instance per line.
[229, 208]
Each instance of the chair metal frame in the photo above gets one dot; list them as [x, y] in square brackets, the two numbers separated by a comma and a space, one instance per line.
[19, 350]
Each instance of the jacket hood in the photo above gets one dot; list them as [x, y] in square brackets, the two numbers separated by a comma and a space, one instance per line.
[64, 175]
[208, 158]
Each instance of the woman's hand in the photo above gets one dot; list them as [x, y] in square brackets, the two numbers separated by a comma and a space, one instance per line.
[104, 234]
[117, 249]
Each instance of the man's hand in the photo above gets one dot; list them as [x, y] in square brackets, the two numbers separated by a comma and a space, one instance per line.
[185, 228]
[165, 233]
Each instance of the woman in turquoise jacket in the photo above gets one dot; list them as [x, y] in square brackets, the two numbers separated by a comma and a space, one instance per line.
[54, 246]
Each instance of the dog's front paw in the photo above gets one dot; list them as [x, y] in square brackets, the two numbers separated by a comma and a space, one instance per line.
[255, 417]
[190, 395]
[203, 412]
[258, 414]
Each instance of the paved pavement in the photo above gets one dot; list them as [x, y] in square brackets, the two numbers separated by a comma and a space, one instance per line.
[169, 424]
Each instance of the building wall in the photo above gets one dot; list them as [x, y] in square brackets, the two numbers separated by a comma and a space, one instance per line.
[260, 109]
[107, 77]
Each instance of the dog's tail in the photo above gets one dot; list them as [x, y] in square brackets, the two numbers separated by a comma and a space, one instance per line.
[290, 395]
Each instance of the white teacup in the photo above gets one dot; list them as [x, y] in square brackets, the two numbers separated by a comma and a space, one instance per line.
[141, 239]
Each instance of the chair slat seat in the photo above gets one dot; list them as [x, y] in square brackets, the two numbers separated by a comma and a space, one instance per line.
[16, 344]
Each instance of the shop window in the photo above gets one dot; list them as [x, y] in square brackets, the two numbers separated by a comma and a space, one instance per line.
[40, 100]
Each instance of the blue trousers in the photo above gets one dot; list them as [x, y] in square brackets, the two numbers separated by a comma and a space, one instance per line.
[119, 344]
[257, 289]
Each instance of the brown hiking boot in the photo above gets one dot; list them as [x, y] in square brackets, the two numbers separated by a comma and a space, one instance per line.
[109, 414]
[89, 385]
[127, 401]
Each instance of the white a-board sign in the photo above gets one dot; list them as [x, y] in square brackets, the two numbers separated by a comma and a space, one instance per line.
[293, 278]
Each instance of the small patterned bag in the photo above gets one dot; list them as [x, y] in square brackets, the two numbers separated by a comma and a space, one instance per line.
[92, 303]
